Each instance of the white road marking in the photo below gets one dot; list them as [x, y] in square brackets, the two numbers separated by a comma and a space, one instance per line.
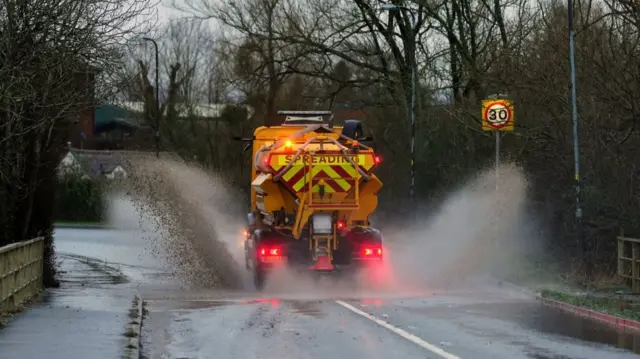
[410, 337]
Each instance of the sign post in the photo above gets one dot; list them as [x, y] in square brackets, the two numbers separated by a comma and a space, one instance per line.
[497, 117]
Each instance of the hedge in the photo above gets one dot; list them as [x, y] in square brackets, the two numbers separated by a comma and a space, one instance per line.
[80, 200]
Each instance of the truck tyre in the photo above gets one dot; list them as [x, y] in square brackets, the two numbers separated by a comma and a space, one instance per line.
[246, 256]
[259, 277]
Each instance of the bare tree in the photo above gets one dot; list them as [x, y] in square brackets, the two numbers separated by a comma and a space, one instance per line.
[194, 122]
[51, 52]
[303, 52]
[264, 62]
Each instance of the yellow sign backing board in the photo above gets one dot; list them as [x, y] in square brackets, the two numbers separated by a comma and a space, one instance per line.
[497, 115]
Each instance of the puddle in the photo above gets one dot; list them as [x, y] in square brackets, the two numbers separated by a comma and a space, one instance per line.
[547, 356]
[372, 302]
[179, 305]
[306, 308]
[536, 316]
[83, 271]
[309, 308]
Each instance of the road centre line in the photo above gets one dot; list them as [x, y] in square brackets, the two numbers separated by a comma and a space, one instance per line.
[410, 337]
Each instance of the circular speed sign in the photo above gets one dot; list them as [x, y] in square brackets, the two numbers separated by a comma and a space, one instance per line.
[497, 114]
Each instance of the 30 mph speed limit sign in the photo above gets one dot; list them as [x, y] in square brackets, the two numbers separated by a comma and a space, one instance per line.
[497, 115]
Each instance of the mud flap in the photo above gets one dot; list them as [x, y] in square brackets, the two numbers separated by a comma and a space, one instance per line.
[322, 264]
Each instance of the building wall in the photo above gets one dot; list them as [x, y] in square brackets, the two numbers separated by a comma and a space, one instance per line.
[83, 120]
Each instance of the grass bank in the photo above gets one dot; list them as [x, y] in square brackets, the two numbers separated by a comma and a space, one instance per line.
[606, 295]
[621, 305]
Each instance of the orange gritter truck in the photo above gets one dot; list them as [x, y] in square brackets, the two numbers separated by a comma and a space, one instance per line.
[312, 192]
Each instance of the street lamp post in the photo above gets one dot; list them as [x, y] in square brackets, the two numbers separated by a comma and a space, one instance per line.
[576, 137]
[412, 116]
[157, 135]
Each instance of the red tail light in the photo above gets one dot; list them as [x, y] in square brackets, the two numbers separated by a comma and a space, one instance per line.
[270, 252]
[340, 224]
[377, 159]
[372, 252]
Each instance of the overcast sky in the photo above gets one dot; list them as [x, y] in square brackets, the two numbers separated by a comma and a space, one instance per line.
[166, 11]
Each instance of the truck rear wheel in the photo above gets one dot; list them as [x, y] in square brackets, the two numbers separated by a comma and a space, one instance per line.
[267, 251]
[259, 277]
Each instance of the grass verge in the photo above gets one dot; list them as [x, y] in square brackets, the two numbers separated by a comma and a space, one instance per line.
[606, 294]
[612, 304]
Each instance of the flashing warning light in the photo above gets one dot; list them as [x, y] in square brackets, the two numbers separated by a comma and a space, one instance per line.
[288, 144]
[377, 159]
[340, 224]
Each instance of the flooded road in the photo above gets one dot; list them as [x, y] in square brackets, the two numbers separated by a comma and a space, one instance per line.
[102, 269]
[457, 325]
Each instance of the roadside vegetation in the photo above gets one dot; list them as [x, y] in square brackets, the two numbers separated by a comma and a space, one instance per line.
[80, 201]
[51, 51]
[617, 303]
[606, 293]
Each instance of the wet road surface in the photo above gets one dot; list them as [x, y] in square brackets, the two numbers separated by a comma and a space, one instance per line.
[271, 330]
[102, 269]
[84, 318]
[457, 325]
[99, 271]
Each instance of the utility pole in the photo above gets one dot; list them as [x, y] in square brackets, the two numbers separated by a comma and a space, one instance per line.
[411, 43]
[412, 189]
[576, 141]
[157, 117]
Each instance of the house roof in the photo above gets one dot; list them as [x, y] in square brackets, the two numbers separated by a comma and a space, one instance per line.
[200, 110]
[128, 114]
[108, 115]
[97, 163]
